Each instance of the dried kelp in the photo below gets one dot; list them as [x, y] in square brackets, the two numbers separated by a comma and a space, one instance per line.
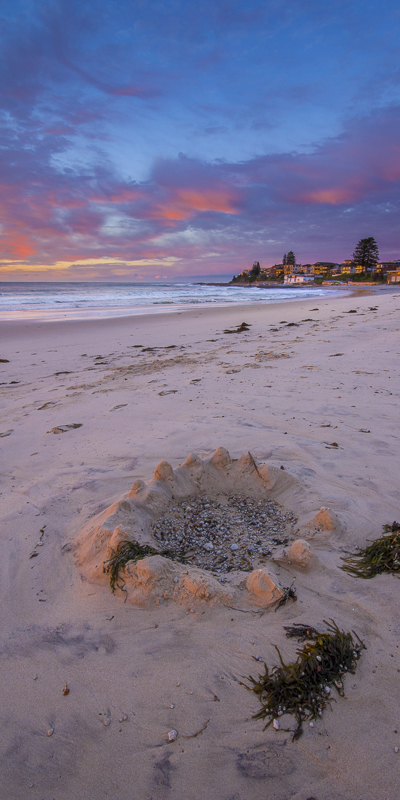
[125, 552]
[288, 593]
[242, 328]
[382, 555]
[303, 688]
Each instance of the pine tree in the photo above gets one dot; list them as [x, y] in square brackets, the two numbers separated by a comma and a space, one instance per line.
[366, 253]
[256, 269]
[284, 261]
[291, 258]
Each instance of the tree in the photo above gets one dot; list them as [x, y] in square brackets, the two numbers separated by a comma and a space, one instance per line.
[284, 261]
[256, 269]
[291, 258]
[366, 253]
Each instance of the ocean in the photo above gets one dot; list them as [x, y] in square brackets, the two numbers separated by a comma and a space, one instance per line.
[45, 300]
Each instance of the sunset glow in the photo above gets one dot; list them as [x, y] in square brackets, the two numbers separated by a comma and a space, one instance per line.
[186, 130]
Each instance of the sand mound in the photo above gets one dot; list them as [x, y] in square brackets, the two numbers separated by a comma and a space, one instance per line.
[206, 530]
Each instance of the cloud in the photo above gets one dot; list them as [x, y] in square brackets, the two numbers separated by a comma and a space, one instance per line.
[90, 217]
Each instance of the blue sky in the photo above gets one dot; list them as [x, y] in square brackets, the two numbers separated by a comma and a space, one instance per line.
[150, 138]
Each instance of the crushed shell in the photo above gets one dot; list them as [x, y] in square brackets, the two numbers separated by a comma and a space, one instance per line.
[225, 533]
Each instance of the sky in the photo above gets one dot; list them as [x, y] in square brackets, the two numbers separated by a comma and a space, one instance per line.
[144, 139]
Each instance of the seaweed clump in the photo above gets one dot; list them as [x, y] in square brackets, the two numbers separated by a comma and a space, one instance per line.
[383, 555]
[242, 328]
[303, 688]
[125, 552]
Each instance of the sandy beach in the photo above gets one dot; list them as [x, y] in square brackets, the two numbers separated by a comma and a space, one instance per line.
[312, 387]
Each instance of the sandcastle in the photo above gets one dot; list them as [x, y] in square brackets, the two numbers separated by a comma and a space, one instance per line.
[164, 575]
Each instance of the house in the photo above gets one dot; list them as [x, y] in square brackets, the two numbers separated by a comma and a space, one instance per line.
[388, 266]
[322, 268]
[298, 279]
[393, 276]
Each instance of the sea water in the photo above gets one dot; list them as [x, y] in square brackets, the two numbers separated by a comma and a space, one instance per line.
[48, 300]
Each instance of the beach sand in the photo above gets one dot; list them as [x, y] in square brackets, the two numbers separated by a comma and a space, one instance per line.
[312, 387]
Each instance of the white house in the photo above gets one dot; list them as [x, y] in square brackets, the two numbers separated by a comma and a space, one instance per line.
[298, 279]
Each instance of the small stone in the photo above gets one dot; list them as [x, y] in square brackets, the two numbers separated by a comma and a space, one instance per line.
[107, 721]
[172, 736]
[234, 547]
[50, 732]
[275, 724]
[311, 724]
[172, 705]
[396, 749]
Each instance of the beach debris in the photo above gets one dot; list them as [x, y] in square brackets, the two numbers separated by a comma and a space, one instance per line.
[172, 736]
[364, 430]
[65, 690]
[126, 551]
[352, 311]
[242, 328]
[65, 428]
[303, 688]
[3, 434]
[4, 360]
[197, 733]
[382, 555]
[168, 391]
[107, 720]
[288, 593]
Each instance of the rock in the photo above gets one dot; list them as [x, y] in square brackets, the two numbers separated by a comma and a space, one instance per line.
[172, 736]
[262, 589]
[299, 553]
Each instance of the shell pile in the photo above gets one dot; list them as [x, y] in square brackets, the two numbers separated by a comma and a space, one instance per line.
[225, 533]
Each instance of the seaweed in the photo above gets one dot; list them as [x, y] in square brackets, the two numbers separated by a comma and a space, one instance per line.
[303, 688]
[382, 555]
[125, 552]
[289, 593]
[242, 328]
